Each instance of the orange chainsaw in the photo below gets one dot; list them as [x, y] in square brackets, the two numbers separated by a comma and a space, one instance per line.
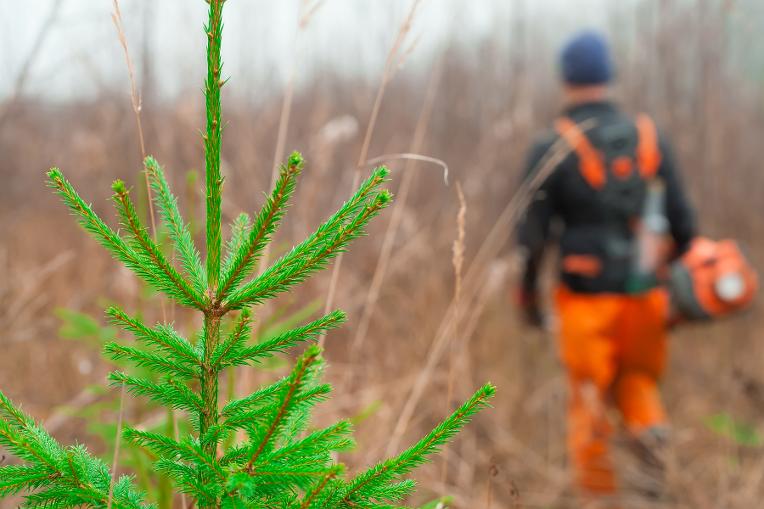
[713, 279]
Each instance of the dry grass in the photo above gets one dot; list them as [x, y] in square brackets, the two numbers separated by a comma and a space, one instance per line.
[395, 59]
[514, 455]
[398, 213]
[135, 102]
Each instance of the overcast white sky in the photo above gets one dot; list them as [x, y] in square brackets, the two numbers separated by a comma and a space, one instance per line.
[81, 55]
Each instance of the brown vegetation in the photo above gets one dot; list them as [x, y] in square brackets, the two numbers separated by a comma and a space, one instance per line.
[487, 107]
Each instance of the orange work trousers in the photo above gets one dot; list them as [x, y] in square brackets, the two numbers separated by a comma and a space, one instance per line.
[614, 348]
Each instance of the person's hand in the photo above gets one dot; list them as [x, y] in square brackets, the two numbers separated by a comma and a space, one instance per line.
[534, 317]
[530, 310]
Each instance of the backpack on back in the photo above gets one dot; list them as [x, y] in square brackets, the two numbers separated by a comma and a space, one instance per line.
[619, 161]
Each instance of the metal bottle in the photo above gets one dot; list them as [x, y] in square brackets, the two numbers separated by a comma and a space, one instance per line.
[649, 241]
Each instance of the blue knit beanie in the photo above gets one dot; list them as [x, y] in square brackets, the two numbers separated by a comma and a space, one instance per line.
[585, 60]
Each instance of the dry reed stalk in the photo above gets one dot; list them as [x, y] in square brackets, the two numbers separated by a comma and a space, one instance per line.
[136, 103]
[410, 156]
[458, 250]
[135, 97]
[475, 279]
[309, 10]
[305, 14]
[394, 60]
[392, 64]
[504, 441]
[135, 100]
[26, 300]
[459, 354]
[457, 261]
[494, 281]
[399, 209]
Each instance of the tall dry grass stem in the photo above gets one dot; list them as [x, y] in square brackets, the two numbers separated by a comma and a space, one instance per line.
[457, 260]
[30, 294]
[137, 106]
[475, 279]
[394, 61]
[411, 156]
[308, 10]
[392, 64]
[136, 103]
[399, 209]
[135, 97]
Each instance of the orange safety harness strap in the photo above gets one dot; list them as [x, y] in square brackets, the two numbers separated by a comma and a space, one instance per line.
[590, 160]
[648, 152]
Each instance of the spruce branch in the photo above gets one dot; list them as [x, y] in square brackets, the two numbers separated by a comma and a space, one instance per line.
[299, 378]
[54, 476]
[187, 450]
[260, 410]
[163, 338]
[244, 259]
[166, 277]
[242, 354]
[313, 499]
[257, 398]
[9, 412]
[239, 230]
[90, 221]
[24, 443]
[237, 337]
[169, 392]
[312, 255]
[349, 209]
[204, 488]
[372, 484]
[157, 363]
[334, 438]
[17, 478]
[151, 268]
[179, 231]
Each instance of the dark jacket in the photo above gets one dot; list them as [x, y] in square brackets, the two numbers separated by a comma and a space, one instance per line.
[587, 227]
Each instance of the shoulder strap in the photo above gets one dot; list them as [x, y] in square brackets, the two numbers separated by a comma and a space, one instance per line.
[648, 152]
[590, 160]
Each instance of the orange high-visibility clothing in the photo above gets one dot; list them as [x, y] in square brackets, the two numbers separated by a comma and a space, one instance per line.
[614, 348]
[613, 318]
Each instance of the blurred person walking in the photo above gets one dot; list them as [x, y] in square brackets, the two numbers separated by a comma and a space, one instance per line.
[609, 205]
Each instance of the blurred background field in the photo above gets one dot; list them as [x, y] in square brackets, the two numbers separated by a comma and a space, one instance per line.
[697, 66]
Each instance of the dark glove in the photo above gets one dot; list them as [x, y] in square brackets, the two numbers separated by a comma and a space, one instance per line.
[530, 310]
